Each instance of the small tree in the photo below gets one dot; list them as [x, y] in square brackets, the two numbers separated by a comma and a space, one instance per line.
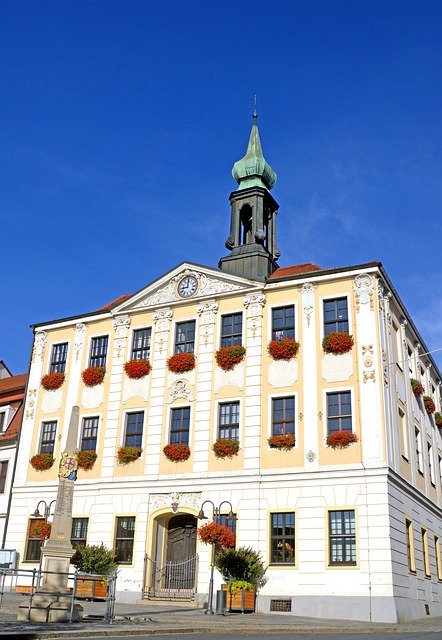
[241, 565]
[94, 558]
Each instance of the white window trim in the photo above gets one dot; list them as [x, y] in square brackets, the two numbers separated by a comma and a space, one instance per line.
[269, 414]
[216, 416]
[181, 405]
[322, 299]
[279, 306]
[324, 407]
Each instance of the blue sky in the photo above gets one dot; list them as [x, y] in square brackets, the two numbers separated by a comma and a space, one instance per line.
[121, 121]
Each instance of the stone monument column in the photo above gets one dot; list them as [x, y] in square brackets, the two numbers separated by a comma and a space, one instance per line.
[51, 603]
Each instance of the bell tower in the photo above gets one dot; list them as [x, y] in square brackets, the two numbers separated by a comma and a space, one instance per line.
[252, 239]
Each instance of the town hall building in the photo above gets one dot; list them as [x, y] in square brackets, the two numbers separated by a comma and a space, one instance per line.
[304, 397]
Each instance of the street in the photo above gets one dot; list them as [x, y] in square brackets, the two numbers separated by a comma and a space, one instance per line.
[280, 636]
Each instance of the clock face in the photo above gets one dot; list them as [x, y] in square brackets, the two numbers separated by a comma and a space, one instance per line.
[187, 286]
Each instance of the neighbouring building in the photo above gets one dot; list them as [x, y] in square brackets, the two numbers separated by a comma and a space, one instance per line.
[346, 515]
[12, 394]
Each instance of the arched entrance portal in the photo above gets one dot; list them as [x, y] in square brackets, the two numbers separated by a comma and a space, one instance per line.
[171, 572]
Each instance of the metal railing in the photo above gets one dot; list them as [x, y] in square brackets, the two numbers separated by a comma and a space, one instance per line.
[80, 586]
[171, 580]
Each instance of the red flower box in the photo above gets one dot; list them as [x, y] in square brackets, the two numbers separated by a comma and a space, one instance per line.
[219, 534]
[337, 342]
[52, 381]
[429, 405]
[126, 455]
[137, 368]
[42, 461]
[177, 452]
[416, 387]
[341, 439]
[93, 376]
[438, 419]
[286, 441]
[225, 448]
[40, 529]
[284, 349]
[228, 357]
[86, 459]
[181, 362]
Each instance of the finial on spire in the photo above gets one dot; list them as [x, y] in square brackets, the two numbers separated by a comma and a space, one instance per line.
[255, 113]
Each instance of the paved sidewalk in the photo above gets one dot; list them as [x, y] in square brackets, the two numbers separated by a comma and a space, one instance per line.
[150, 618]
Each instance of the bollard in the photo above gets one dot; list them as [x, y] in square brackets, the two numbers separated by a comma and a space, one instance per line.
[221, 601]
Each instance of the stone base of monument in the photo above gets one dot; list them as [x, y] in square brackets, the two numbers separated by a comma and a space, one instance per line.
[49, 608]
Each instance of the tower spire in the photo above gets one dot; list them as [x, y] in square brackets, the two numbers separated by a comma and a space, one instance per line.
[253, 170]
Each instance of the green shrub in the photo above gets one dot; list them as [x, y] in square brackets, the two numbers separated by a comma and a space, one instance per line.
[242, 564]
[94, 558]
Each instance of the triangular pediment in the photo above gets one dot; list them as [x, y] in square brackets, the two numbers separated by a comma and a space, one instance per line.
[165, 290]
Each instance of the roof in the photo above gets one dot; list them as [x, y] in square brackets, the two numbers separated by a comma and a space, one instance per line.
[112, 303]
[13, 390]
[295, 270]
[13, 383]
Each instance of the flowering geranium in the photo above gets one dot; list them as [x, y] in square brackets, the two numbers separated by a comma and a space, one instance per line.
[86, 459]
[337, 342]
[137, 368]
[52, 381]
[429, 405]
[125, 455]
[176, 452]
[225, 448]
[40, 529]
[285, 441]
[284, 349]
[438, 419]
[42, 461]
[416, 387]
[181, 362]
[228, 357]
[341, 439]
[219, 534]
[93, 376]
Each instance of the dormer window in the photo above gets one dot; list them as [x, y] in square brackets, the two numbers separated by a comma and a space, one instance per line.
[7, 412]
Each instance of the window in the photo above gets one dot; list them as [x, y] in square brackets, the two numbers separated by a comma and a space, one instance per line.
[33, 544]
[282, 538]
[397, 346]
[410, 546]
[180, 425]
[89, 434]
[98, 352]
[141, 344]
[3, 474]
[58, 357]
[133, 435]
[124, 539]
[79, 531]
[283, 322]
[47, 442]
[419, 453]
[283, 416]
[231, 330]
[228, 420]
[431, 464]
[437, 557]
[425, 555]
[185, 337]
[342, 536]
[338, 412]
[2, 420]
[410, 361]
[335, 315]
[403, 429]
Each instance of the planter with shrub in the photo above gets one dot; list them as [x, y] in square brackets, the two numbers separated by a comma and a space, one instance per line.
[438, 419]
[126, 455]
[177, 452]
[416, 387]
[86, 459]
[244, 572]
[97, 561]
[225, 448]
[285, 441]
[228, 357]
[429, 405]
[42, 461]
[137, 368]
[341, 439]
